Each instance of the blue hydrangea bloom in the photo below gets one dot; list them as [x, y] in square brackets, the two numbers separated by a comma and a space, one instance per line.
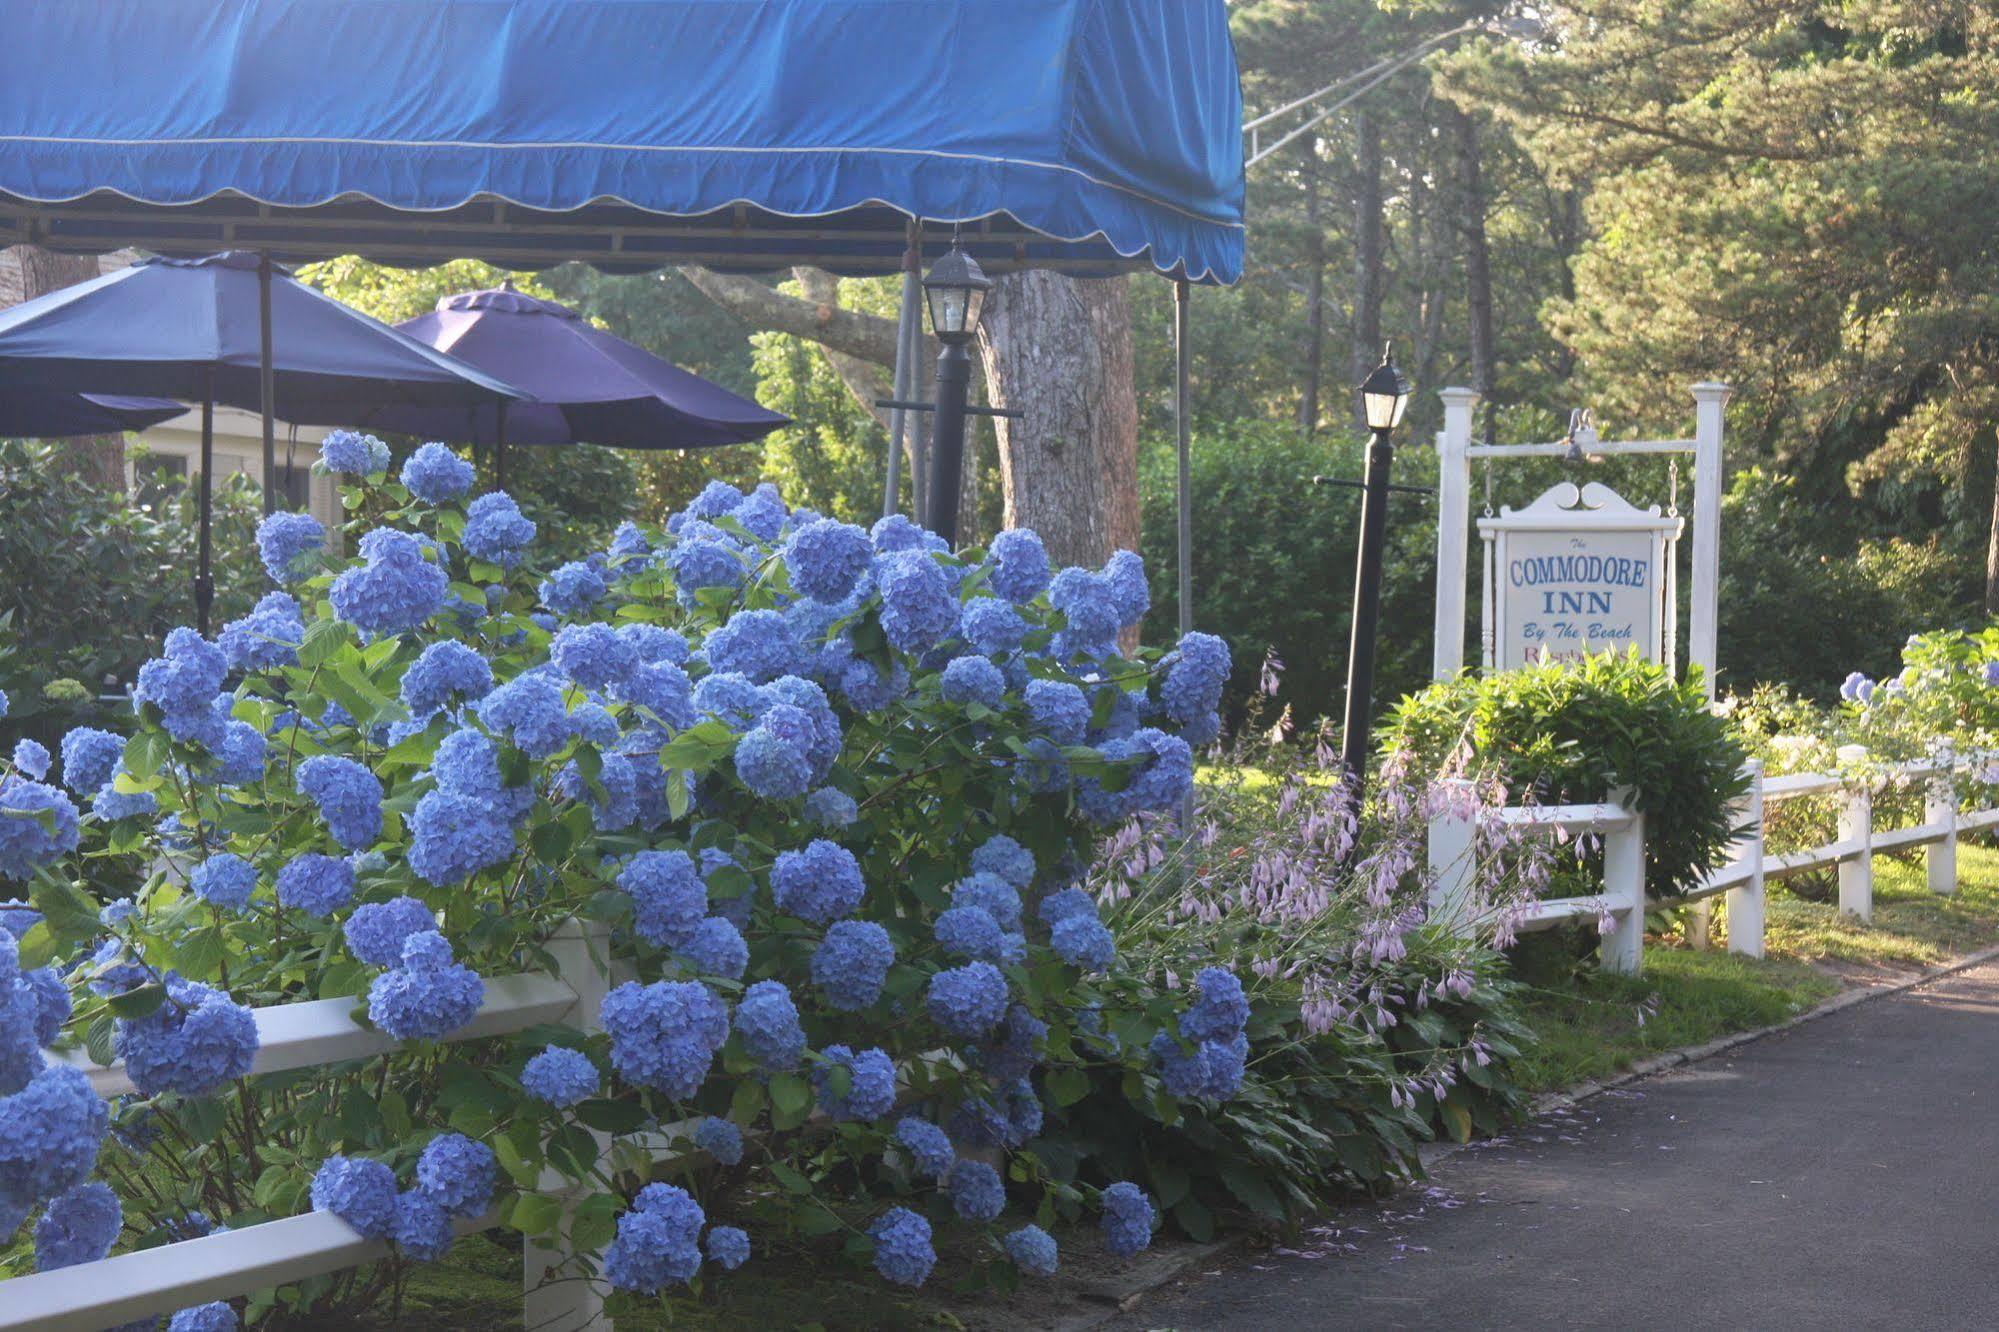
[1089, 609]
[1016, 1048]
[897, 533]
[195, 1044]
[991, 892]
[762, 513]
[918, 610]
[716, 948]
[89, 758]
[429, 995]
[757, 644]
[871, 1086]
[868, 687]
[728, 1247]
[1130, 594]
[1127, 1219]
[830, 807]
[352, 451]
[448, 672]
[573, 588]
[1220, 1009]
[225, 881]
[1084, 941]
[662, 689]
[657, 1241]
[1018, 565]
[529, 711]
[25, 844]
[458, 1174]
[50, 1131]
[928, 1146]
[468, 762]
[316, 884]
[728, 696]
[822, 737]
[118, 912]
[78, 1227]
[110, 804]
[1058, 710]
[976, 1191]
[967, 1001]
[655, 644]
[1195, 677]
[360, 1192]
[1058, 907]
[851, 964]
[453, 836]
[593, 655]
[436, 475]
[820, 883]
[698, 562]
[720, 1139]
[767, 1020]
[266, 638]
[665, 1035]
[349, 798]
[669, 899]
[971, 932]
[215, 1316]
[1032, 1250]
[376, 932]
[240, 761]
[560, 1076]
[1003, 856]
[716, 498]
[185, 678]
[1212, 1070]
[629, 545]
[826, 559]
[973, 680]
[903, 1253]
[772, 764]
[396, 589]
[496, 531]
[422, 1229]
[287, 542]
[992, 626]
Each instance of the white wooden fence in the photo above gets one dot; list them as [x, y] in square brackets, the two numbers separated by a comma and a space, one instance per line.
[228, 1263]
[1742, 879]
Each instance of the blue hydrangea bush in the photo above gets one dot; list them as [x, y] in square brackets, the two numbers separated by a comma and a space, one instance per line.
[821, 798]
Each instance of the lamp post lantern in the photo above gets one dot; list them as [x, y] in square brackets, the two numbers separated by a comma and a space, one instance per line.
[1384, 396]
[955, 290]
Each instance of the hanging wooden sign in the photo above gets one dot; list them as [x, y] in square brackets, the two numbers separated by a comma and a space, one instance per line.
[1578, 571]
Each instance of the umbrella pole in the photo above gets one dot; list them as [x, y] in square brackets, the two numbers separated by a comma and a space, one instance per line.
[907, 327]
[266, 374]
[204, 586]
[1184, 432]
[500, 448]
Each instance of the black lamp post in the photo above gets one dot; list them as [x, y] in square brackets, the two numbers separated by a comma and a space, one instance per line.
[1383, 395]
[956, 291]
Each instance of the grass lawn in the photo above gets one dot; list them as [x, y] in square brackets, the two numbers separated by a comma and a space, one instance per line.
[1592, 1024]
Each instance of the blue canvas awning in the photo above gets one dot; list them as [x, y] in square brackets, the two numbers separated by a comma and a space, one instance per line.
[1092, 136]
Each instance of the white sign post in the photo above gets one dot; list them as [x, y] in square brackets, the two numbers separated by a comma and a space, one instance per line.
[1456, 453]
[1577, 572]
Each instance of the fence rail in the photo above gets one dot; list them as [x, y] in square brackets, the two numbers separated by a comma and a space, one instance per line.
[228, 1263]
[1751, 864]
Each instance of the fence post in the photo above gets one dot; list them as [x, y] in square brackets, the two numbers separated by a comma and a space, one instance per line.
[1452, 842]
[569, 1302]
[1623, 950]
[1856, 825]
[1745, 903]
[1940, 812]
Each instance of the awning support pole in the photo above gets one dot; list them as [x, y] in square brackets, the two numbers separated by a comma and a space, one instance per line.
[909, 322]
[266, 375]
[204, 585]
[500, 448]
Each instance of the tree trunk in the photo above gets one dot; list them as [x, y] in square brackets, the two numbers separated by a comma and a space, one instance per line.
[1992, 551]
[99, 459]
[1478, 266]
[1367, 251]
[1058, 349]
[1315, 303]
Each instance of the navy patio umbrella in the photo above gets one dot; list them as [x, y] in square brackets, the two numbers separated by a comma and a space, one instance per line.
[583, 385]
[227, 329]
[34, 413]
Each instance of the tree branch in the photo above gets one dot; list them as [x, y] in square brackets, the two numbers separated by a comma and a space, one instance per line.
[861, 336]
